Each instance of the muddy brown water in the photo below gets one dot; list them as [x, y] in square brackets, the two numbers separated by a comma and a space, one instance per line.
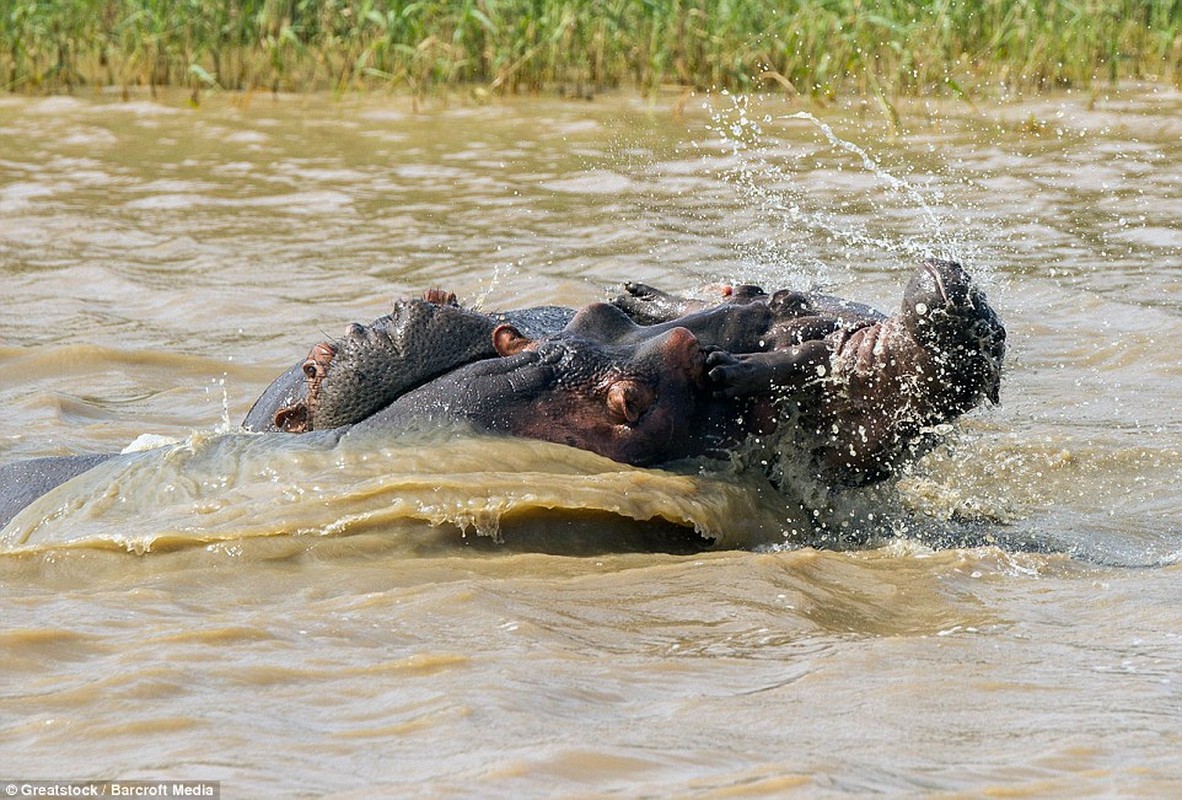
[469, 616]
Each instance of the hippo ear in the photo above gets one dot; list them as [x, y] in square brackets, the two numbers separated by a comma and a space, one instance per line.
[791, 303]
[744, 292]
[628, 399]
[440, 297]
[293, 419]
[508, 341]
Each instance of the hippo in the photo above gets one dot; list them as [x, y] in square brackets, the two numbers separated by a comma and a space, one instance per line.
[642, 403]
[862, 387]
[650, 378]
[862, 390]
[867, 394]
[591, 379]
[344, 381]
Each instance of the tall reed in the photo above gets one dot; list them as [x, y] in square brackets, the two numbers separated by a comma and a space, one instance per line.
[818, 47]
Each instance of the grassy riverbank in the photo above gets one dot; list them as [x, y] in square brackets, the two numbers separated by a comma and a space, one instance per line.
[816, 47]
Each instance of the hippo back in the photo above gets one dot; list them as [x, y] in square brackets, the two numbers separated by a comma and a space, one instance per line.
[24, 481]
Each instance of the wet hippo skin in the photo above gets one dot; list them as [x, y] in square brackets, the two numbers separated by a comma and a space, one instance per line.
[346, 380]
[642, 403]
[882, 384]
[22, 482]
[861, 388]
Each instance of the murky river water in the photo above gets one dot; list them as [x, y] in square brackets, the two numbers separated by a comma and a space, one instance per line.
[464, 616]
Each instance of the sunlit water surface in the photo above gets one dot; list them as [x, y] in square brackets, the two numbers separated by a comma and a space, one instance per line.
[470, 616]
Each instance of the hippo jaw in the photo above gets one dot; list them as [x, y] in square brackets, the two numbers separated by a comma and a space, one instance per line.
[937, 294]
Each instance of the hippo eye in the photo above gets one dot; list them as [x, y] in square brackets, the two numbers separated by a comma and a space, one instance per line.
[318, 360]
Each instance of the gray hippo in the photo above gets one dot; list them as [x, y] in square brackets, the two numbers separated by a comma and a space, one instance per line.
[346, 380]
[22, 482]
[862, 389]
[696, 379]
[641, 403]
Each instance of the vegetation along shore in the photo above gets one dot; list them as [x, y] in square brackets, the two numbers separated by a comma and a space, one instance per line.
[811, 47]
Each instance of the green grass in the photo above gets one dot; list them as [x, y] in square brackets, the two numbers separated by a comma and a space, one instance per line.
[812, 47]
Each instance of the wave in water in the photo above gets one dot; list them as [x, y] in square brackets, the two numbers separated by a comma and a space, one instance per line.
[433, 487]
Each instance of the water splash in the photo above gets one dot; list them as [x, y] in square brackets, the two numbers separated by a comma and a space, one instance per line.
[870, 165]
[805, 219]
[872, 203]
[225, 425]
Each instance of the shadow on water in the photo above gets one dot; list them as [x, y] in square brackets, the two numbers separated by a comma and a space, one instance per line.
[586, 532]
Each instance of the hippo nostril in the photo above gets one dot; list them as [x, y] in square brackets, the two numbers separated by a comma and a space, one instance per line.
[682, 339]
[683, 351]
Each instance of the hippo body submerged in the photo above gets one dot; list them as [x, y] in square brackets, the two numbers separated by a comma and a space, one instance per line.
[22, 482]
[650, 377]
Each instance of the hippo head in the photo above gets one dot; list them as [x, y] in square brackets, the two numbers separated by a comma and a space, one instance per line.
[637, 403]
[949, 316]
[350, 378]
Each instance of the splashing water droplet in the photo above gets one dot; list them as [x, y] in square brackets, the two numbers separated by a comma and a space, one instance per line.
[810, 228]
